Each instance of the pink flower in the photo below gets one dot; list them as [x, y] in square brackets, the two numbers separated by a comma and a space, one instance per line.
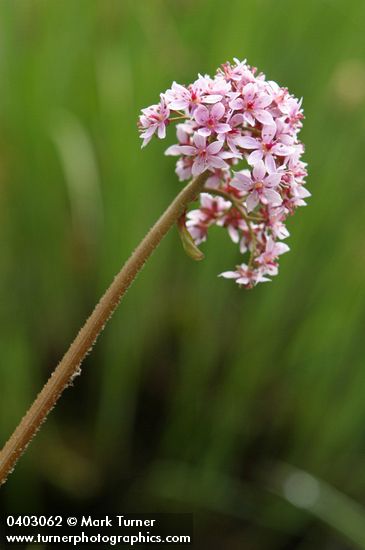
[211, 209]
[205, 156]
[234, 137]
[154, 119]
[238, 73]
[183, 168]
[297, 195]
[213, 90]
[293, 109]
[253, 103]
[266, 148]
[245, 276]
[282, 133]
[279, 94]
[178, 97]
[237, 114]
[275, 219]
[208, 120]
[258, 186]
[234, 223]
[216, 178]
[271, 253]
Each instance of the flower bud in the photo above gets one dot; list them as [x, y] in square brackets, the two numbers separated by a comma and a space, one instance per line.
[188, 242]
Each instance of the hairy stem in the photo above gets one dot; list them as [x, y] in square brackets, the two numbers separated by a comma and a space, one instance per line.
[68, 368]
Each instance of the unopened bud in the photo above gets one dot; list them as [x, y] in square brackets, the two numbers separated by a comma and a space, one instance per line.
[188, 242]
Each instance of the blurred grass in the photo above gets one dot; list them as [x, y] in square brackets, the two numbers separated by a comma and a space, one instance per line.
[190, 369]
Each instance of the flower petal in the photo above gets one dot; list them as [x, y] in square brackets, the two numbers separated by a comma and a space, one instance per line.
[188, 150]
[241, 179]
[230, 155]
[262, 101]
[273, 179]
[161, 132]
[201, 115]
[248, 91]
[221, 128]
[205, 132]
[174, 150]
[243, 280]
[236, 104]
[249, 118]
[282, 150]
[205, 201]
[146, 141]
[229, 274]
[216, 162]
[259, 170]
[199, 141]
[215, 147]
[252, 201]
[198, 166]
[218, 111]
[270, 164]
[264, 117]
[281, 248]
[268, 132]
[272, 197]
[249, 142]
[211, 98]
[178, 104]
[255, 157]
[234, 234]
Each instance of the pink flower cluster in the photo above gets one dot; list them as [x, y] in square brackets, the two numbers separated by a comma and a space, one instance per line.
[243, 131]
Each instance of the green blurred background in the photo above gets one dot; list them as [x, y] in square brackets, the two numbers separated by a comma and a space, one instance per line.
[246, 407]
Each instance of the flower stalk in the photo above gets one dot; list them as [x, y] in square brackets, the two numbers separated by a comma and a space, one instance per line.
[69, 367]
[236, 115]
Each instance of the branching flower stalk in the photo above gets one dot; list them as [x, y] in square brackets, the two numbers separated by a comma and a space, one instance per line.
[69, 367]
[236, 116]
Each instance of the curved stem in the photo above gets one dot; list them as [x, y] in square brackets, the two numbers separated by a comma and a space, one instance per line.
[68, 368]
[176, 118]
